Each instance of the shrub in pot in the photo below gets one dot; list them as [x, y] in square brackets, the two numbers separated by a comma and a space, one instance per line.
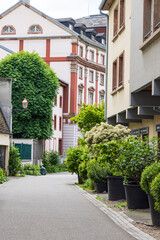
[135, 155]
[75, 156]
[82, 168]
[109, 152]
[98, 173]
[15, 164]
[148, 175]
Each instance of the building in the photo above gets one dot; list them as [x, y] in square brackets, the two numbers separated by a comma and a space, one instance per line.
[5, 121]
[134, 74]
[71, 50]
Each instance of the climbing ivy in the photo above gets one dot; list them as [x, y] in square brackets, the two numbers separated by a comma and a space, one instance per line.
[34, 80]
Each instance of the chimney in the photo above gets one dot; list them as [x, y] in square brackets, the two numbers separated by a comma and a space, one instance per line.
[27, 1]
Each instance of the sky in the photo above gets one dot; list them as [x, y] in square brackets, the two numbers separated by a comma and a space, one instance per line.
[60, 8]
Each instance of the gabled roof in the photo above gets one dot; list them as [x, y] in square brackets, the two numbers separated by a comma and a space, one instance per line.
[93, 21]
[4, 125]
[22, 2]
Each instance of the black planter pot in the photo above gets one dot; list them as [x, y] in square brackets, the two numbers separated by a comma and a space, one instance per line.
[115, 188]
[155, 215]
[100, 187]
[136, 197]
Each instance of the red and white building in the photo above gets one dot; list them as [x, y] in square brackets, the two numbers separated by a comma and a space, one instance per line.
[75, 53]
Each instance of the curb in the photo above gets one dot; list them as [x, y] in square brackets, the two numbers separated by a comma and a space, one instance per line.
[121, 219]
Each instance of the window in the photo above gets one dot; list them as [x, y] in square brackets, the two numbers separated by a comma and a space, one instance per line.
[55, 122]
[55, 101]
[80, 72]
[60, 148]
[71, 26]
[81, 51]
[102, 59]
[103, 41]
[121, 20]
[101, 98]
[115, 29]
[151, 17]
[121, 73]
[114, 81]
[90, 98]
[60, 101]
[102, 79]
[80, 95]
[60, 123]
[91, 76]
[35, 29]
[8, 30]
[91, 55]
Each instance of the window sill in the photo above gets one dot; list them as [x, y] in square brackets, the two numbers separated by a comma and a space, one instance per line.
[117, 90]
[115, 37]
[150, 40]
[118, 33]
[120, 87]
[121, 29]
[114, 92]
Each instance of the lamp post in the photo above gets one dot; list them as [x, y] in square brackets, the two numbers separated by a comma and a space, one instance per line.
[24, 103]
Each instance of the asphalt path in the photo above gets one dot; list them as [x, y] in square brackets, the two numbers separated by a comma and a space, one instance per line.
[49, 208]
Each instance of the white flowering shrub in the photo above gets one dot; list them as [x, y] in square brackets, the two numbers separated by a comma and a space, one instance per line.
[104, 133]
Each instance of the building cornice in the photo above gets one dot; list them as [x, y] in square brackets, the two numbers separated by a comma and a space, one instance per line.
[86, 63]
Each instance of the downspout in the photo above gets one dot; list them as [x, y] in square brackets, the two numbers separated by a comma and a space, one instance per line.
[107, 34]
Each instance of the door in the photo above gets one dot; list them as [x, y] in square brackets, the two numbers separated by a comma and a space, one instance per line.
[2, 157]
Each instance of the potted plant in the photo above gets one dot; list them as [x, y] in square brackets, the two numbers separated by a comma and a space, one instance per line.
[148, 175]
[73, 159]
[98, 173]
[109, 152]
[135, 155]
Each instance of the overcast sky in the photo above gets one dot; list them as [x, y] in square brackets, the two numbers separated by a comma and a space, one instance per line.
[60, 8]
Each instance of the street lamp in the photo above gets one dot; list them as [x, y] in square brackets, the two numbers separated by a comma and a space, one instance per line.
[24, 103]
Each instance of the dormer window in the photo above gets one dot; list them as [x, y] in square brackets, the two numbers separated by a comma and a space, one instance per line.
[93, 37]
[8, 30]
[103, 41]
[71, 26]
[35, 29]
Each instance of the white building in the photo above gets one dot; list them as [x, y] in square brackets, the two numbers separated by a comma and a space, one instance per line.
[71, 50]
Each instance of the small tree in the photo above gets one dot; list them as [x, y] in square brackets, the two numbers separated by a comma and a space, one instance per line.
[15, 163]
[35, 81]
[89, 116]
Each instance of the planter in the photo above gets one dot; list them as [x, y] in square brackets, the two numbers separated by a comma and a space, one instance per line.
[155, 215]
[136, 197]
[100, 187]
[115, 188]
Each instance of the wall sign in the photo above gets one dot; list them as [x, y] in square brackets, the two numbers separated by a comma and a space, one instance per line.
[144, 131]
[158, 127]
[135, 132]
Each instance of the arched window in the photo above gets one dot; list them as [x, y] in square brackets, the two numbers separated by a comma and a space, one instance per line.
[8, 29]
[35, 29]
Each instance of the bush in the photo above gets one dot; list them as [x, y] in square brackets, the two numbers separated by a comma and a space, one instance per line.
[82, 168]
[104, 133]
[31, 166]
[3, 177]
[148, 174]
[15, 164]
[73, 158]
[51, 160]
[155, 191]
[135, 155]
[97, 172]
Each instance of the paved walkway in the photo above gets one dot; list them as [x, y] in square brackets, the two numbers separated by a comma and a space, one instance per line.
[49, 208]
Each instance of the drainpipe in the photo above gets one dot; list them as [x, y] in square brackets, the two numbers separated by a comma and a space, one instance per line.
[107, 34]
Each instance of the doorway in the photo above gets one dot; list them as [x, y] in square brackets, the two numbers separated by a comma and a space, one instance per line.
[2, 157]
